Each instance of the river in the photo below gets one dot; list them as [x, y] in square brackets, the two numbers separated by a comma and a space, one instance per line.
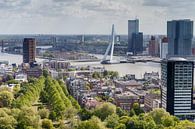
[125, 68]
[128, 68]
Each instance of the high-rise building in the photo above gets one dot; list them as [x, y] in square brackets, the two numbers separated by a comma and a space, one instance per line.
[180, 34]
[164, 48]
[135, 38]
[29, 50]
[153, 48]
[177, 87]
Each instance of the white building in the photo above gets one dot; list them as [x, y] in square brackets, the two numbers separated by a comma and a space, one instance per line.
[21, 77]
[163, 48]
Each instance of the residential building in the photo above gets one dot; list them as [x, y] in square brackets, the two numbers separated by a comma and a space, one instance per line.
[55, 64]
[151, 101]
[126, 100]
[34, 72]
[21, 77]
[77, 87]
[29, 50]
[127, 84]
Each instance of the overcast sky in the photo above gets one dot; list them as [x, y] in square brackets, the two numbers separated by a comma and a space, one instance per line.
[90, 16]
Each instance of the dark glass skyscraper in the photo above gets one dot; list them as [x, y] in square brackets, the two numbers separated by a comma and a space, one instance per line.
[180, 34]
[29, 50]
[135, 38]
[177, 87]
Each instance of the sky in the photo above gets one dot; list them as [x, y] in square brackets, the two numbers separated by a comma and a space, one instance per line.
[90, 16]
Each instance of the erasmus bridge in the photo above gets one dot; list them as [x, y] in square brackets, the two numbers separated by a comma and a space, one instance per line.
[110, 49]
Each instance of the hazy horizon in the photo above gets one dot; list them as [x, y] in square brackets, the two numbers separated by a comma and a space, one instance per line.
[90, 16]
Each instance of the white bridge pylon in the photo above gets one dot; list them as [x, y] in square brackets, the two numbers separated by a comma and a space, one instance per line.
[110, 46]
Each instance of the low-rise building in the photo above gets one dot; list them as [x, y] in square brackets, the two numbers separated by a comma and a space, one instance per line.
[127, 84]
[151, 102]
[56, 64]
[139, 92]
[149, 76]
[126, 100]
[77, 87]
[21, 77]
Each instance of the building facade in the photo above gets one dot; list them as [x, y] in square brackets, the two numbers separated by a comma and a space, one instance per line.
[153, 47]
[180, 34]
[164, 48]
[151, 101]
[177, 87]
[29, 50]
[135, 38]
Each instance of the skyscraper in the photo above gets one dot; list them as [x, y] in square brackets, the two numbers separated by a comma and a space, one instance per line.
[135, 38]
[177, 87]
[29, 50]
[153, 47]
[164, 48]
[180, 34]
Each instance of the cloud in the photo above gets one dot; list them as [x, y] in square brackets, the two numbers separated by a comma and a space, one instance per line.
[13, 4]
[92, 15]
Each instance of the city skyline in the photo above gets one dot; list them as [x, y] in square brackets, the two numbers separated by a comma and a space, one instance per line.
[90, 17]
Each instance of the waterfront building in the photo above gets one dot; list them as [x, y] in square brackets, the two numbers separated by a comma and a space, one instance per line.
[135, 38]
[177, 87]
[180, 34]
[164, 48]
[150, 76]
[29, 50]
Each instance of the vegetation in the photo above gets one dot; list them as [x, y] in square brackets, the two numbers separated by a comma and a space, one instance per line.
[45, 103]
[106, 74]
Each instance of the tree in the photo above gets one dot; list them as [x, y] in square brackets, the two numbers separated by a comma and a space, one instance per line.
[6, 98]
[120, 126]
[96, 75]
[120, 112]
[28, 118]
[136, 108]
[7, 121]
[47, 124]
[9, 77]
[93, 123]
[185, 124]
[124, 119]
[112, 121]
[149, 122]
[104, 110]
[158, 114]
[45, 73]
[43, 113]
[16, 89]
[168, 121]
[85, 114]
[70, 113]
[12, 82]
